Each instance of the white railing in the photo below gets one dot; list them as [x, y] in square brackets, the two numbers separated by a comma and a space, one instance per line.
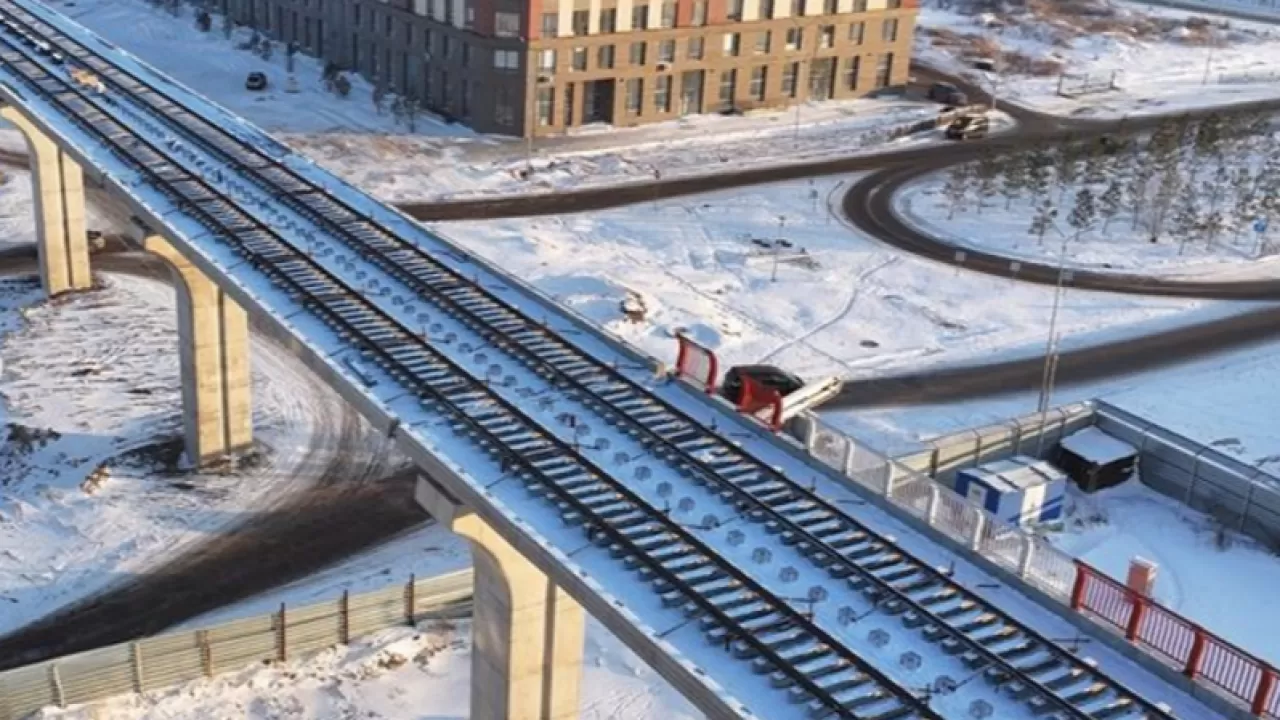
[1024, 554]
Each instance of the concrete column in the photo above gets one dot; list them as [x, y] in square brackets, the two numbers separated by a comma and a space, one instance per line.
[527, 633]
[58, 188]
[213, 344]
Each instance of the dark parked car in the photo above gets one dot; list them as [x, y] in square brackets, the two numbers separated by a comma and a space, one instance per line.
[767, 375]
[947, 94]
[256, 81]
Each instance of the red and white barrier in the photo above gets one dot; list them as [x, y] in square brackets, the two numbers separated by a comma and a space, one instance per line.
[697, 364]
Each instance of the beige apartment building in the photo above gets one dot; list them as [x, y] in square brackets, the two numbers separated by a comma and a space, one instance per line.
[540, 67]
[625, 63]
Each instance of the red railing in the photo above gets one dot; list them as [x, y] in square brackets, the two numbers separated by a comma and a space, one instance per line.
[697, 363]
[1198, 653]
[756, 397]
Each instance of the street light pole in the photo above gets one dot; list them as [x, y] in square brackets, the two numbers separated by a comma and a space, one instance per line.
[1051, 347]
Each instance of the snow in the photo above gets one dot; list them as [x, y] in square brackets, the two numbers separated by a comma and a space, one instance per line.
[1161, 59]
[841, 304]
[213, 65]
[1097, 447]
[1005, 226]
[95, 379]
[1197, 560]
[421, 672]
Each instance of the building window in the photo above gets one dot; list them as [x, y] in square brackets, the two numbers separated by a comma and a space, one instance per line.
[465, 105]
[504, 113]
[550, 25]
[609, 20]
[662, 94]
[506, 24]
[506, 59]
[546, 105]
[579, 59]
[426, 42]
[795, 38]
[735, 10]
[759, 76]
[581, 22]
[763, 40]
[640, 17]
[547, 61]
[668, 14]
[635, 95]
[604, 57]
[884, 70]
[889, 30]
[732, 41]
[797, 8]
[857, 32]
[859, 6]
[695, 48]
[466, 55]
[852, 67]
[790, 72]
[766, 9]
[667, 51]
[829, 7]
[728, 88]
[699, 13]
[446, 46]
[637, 53]
[826, 36]
[567, 101]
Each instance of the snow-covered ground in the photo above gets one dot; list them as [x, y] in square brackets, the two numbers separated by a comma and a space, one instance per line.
[1188, 212]
[1197, 558]
[394, 674]
[93, 380]
[1263, 8]
[840, 303]
[1162, 59]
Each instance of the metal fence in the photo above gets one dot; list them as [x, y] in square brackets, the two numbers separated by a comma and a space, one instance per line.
[1177, 641]
[1073, 86]
[157, 662]
[1033, 435]
[1240, 497]
[1027, 556]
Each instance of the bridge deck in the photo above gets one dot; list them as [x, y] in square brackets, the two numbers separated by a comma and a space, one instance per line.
[672, 519]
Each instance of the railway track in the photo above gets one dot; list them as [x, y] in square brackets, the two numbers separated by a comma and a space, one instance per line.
[756, 625]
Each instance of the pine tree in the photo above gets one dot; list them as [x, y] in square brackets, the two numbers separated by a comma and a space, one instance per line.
[1209, 134]
[1068, 167]
[1096, 165]
[987, 174]
[1110, 201]
[1039, 172]
[1170, 183]
[1246, 206]
[1016, 177]
[1214, 189]
[1186, 217]
[956, 190]
[1084, 213]
[1042, 219]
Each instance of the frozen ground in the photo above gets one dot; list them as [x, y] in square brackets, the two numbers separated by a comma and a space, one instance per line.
[394, 674]
[1197, 559]
[840, 304]
[416, 168]
[91, 381]
[1161, 58]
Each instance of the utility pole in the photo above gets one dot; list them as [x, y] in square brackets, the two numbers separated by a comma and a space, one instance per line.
[1051, 347]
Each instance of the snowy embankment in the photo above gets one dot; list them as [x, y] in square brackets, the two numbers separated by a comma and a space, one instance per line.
[1157, 204]
[1160, 59]
[91, 382]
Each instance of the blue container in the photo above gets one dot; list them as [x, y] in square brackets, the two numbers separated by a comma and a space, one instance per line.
[1019, 491]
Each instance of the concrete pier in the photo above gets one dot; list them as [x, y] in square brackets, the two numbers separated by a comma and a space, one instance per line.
[213, 342]
[58, 189]
[528, 634]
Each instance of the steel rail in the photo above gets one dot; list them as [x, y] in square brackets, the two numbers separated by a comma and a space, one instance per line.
[271, 264]
[503, 341]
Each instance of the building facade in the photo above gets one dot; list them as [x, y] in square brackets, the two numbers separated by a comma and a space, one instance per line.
[520, 67]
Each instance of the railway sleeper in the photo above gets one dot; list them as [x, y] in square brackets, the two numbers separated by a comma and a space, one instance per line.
[1117, 708]
[832, 684]
[984, 620]
[963, 607]
[740, 612]
[1069, 678]
[1002, 634]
